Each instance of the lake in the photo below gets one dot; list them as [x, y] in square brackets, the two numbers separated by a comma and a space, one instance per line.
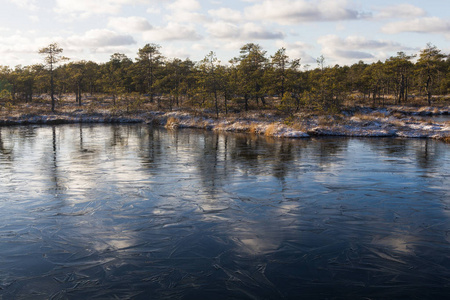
[135, 212]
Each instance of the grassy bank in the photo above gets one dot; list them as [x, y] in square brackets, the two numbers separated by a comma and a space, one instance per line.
[389, 121]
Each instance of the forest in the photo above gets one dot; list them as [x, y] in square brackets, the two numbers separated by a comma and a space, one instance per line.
[251, 81]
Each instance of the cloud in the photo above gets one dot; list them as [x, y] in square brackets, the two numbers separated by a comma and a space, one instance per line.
[355, 48]
[25, 4]
[245, 32]
[153, 10]
[185, 11]
[357, 42]
[400, 11]
[98, 38]
[299, 11]
[352, 54]
[17, 44]
[172, 32]
[130, 24]
[297, 50]
[34, 19]
[85, 8]
[185, 5]
[178, 52]
[226, 14]
[419, 25]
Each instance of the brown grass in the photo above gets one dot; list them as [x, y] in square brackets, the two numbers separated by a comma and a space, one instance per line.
[446, 139]
[172, 123]
[253, 128]
[271, 130]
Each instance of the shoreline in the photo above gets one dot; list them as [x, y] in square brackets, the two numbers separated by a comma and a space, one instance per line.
[362, 122]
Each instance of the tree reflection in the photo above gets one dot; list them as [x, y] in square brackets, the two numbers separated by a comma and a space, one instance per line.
[150, 147]
[54, 168]
[5, 151]
[175, 212]
[427, 155]
[328, 149]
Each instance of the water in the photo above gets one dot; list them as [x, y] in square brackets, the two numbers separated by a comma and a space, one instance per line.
[131, 212]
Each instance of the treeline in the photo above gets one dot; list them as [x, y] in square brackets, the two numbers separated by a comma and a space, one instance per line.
[252, 80]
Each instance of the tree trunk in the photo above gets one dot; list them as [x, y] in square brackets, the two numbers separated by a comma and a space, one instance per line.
[428, 89]
[52, 90]
[263, 100]
[216, 103]
[401, 92]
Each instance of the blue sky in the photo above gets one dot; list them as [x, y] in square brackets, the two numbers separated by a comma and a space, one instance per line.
[343, 31]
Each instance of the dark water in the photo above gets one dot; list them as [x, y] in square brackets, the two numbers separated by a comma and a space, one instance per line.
[131, 212]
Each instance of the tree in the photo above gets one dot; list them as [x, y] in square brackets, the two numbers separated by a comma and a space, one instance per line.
[400, 67]
[430, 64]
[282, 67]
[375, 78]
[52, 56]
[283, 76]
[252, 62]
[116, 77]
[208, 77]
[321, 66]
[77, 73]
[148, 60]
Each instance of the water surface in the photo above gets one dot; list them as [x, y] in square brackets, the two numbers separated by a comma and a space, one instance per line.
[131, 212]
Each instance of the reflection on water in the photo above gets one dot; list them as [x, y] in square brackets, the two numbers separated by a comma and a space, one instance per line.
[133, 212]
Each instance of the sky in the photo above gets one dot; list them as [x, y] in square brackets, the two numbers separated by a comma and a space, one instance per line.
[343, 31]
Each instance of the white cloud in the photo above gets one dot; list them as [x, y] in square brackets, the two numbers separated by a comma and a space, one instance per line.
[86, 8]
[130, 24]
[185, 11]
[17, 44]
[181, 16]
[173, 31]
[184, 5]
[297, 50]
[357, 42]
[153, 10]
[223, 30]
[226, 14]
[248, 31]
[298, 11]
[420, 25]
[400, 11]
[98, 38]
[34, 19]
[355, 48]
[26, 4]
[253, 31]
[178, 52]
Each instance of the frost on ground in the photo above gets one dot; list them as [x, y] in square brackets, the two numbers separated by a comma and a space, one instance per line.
[391, 122]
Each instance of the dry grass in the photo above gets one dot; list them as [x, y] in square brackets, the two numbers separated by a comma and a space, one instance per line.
[271, 130]
[253, 128]
[325, 121]
[172, 123]
[398, 115]
[364, 117]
